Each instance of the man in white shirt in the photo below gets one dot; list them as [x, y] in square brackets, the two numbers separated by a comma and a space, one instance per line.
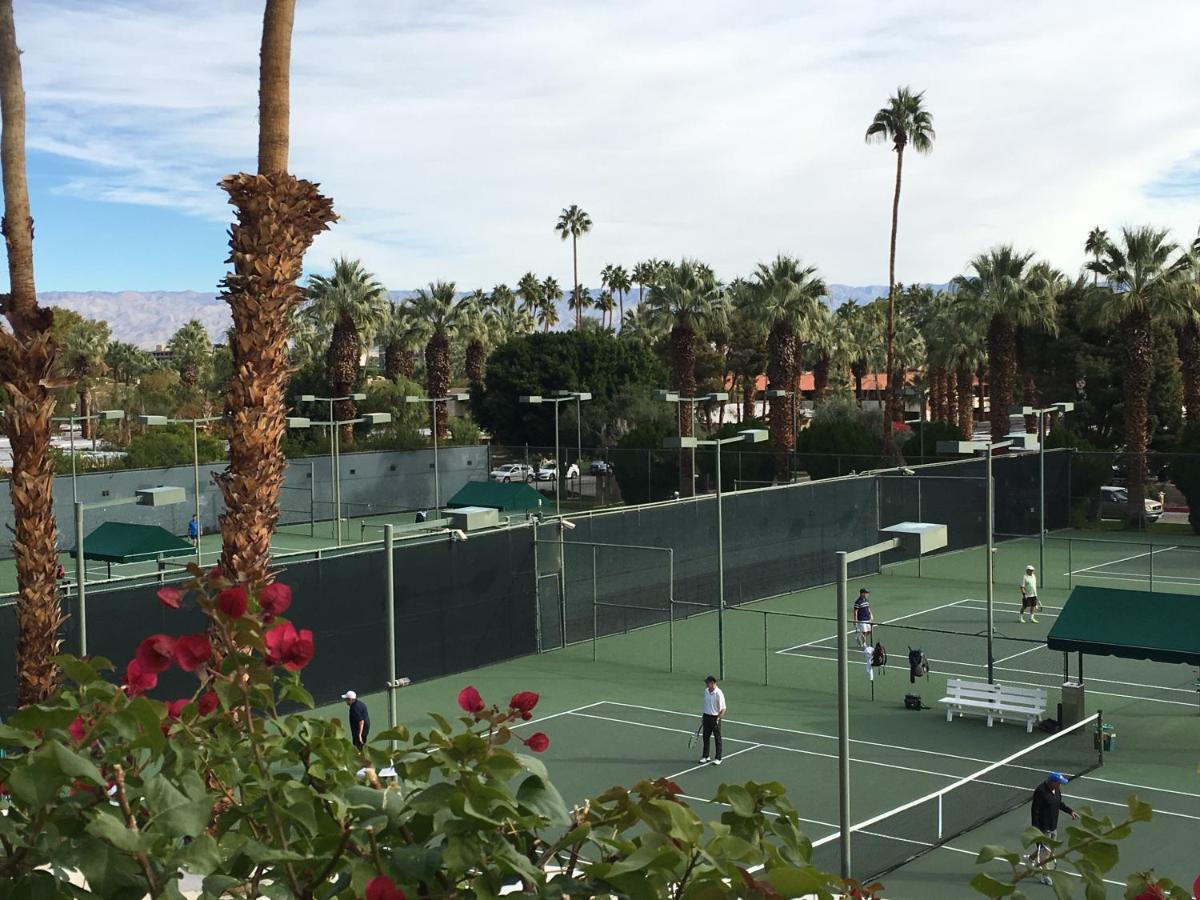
[1029, 598]
[714, 712]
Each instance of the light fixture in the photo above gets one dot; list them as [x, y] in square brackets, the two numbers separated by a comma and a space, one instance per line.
[152, 420]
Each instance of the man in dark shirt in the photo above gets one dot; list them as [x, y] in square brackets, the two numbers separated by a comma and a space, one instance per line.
[1043, 814]
[360, 719]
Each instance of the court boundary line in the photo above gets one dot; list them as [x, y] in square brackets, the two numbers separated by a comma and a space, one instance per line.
[919, 612]
[1113, 562]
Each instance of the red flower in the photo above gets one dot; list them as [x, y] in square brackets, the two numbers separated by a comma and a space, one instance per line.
[214, 574]
[170, 597]
[383, 888]
[537, 742]
[274, 599]
[156, 653]
[524, 702]
[175, 708]
[232, 601]
[469, 700]
[77, 729]
[192, 651]
[207, 702]
[288, 647]
[138, 680]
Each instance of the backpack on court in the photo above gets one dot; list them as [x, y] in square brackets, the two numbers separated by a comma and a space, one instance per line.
[913, 701]
[878, 656]
[918, 665]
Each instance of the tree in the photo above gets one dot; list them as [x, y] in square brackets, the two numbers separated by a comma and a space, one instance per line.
[1188, 334]
[1095, 246]
[83, 350]
[604, 303]
[191, 352]
[617, 280]
[278, 216]
[547, 313]
[574, 223]
[351, 307]
[904, 121]
[506, 319]
[476, 329]
[530, 290]
[171, 445]
[1143, 285]
[746, 354]
[443, 318]
[1185, 471]
[126, 362]
[399, 336]
[645, 274]
[785, 295]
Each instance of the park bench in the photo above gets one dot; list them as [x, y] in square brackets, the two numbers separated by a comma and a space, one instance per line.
[994, 701]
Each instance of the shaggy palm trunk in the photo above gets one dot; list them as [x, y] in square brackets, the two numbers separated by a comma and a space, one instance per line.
[28, 354]
[965, 380]
[682, 353]
[950, 396]
[1031, 399]
[278, 216]
[858, 369]
[437, 378]
[891, 308]
[748, 384]
[475, 361]
[1138, 363]
[1189, 360]
[781, 376]
[394, 354]
[341, 364]
[820, 377]
[189, 375]
[578, 295]
[1002, 362]
[621, 320]
[85, 425]
[937, 393]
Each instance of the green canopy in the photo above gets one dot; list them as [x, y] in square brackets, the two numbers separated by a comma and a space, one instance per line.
[125, 542]
[515, 497]
[1129, 624]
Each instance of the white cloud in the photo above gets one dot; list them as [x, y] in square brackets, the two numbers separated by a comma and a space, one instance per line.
[450, 135]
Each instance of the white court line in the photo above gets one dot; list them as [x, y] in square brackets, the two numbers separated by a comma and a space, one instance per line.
[565, 712]
[831, 637]
[1143, 578]
[1022, 653]
[699, 766]
[980, 606]
[871, 762]
[1113, 562]
[874, 743]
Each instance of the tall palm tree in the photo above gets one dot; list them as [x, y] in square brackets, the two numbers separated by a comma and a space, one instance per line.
[530, 289]
[645, 274]
[83, 349]
[399, 336]
[904, 121]
[1143, 285]
[581, 299]
[1188, 335]
[126, 361]
[746, 356]
[786, 295]
[822, 345]
[619, 283]
[476, 329]
[351, 307]
[1007, 292]
[574, 223]
[605, 303]
[863, 353]
[686, 300]
[1095, 246]
[191, 352]
[956, 345]
[551, 294]
[28, 359]
[278, 215]
[506, 319]
[444, 317]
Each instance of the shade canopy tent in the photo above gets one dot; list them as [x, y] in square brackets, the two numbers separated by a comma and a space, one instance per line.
[126, 542]
[516, 497]
[1129, 624]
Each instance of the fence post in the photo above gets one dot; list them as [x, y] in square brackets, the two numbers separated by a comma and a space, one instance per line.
[537, 591]
[649, 488]
[595, 625]
[1151, 568]
[1070, 565]
[766, 655]
[670, 610]
[390, 594]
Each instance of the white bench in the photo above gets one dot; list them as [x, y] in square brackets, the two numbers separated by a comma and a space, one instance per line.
[994, 701]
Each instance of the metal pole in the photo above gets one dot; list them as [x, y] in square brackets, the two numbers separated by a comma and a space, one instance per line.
[74, 489]
[1041, 496]
[990, 587]
[389, 573]
[919, 519]
[312, 499]
[337, 480]
[196, 479]
[766, 655]
[843, 692]
[671, 610]
[537, 589]
[579, 438]
[720, 572]
[1151, 546]
[558, 473]
[562, 582]
[595, 624]
[437, 487]
[81, 578]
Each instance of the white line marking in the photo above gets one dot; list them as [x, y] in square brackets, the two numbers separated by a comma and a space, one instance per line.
[920, 612]
[1113, 562]
[1022, 653]
[707, 764]
[565, 712]
[1140, 579]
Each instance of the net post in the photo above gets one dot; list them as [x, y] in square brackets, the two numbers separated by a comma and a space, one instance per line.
[595, 612]
[1070, 565]
[1151, 568]
[1100, 735]
[389, 574]
[940, 830]
[671, 610]
[920, 519]
[537, 591]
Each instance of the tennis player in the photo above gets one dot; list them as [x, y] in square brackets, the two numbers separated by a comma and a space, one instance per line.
[714, 712]
[1029, 595]
[1043, 814]
[863, 617]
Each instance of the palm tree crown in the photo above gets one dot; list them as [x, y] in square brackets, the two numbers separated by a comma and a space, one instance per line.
[574, 223]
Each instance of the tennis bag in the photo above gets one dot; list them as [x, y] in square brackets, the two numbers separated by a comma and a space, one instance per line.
[913, 701]
[918, 665]
[878, 656]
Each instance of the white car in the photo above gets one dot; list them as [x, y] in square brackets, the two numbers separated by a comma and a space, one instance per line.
[547, 473]
[1114, 504]
[512, 472]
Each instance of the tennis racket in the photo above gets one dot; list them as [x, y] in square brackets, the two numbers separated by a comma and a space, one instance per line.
[695, 735]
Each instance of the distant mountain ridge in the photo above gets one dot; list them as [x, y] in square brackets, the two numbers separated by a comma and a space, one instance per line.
[149, 318]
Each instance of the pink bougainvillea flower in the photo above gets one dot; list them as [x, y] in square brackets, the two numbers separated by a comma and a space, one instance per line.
[523, 702]
[170, 596]
[77, 729]
[233, 600]
[156, 653]
[383, 888]
[175, 708]
[469, 700]
[274, 599]
[288, 647]
[537, 742]
[192, 651]
[138, 680]
[207, 702]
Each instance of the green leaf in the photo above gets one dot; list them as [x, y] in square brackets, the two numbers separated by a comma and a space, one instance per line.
[1102, 854]
[173, 812]
[106, 869]
[793, 882]
[38, 782]
[1061, 883]
[199, 856]
[432, 799]
[74, 765]
[80, 671]
[10, 736]
[990, 887]
[42, 718]
[738, 798]
[107, 827]
[295, 692]
[994, 851]
[1139, 810]
[542, 798]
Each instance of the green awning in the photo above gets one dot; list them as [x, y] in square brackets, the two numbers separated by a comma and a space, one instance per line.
[515, 497]
[125, 542]
[1129, 624]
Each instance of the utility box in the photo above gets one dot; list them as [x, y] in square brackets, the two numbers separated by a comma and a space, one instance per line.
[1072, 704]
[160, 496]
[472, 518]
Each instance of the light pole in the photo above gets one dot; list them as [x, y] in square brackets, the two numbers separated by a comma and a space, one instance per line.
[748, 436]
[795, 395]
[105, 415]
[579, 396]
[557, 398]
[921, 537]
[1063, 408]
[673, 397]
[159, 496]
[434, 401]
[334, 441]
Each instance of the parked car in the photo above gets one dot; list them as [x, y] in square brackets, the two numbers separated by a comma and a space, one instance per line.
[1114, 504]
[600, 467]
[511, 472]
[548, 473]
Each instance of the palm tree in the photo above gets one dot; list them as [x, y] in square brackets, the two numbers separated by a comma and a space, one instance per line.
[822, 344]
[28, 360]
[399, 335]
[687, 300]
[351, 307]
[444, 318]
[605, 303]
[956, 345]
[1007, 293]
[1143, 285]
[904, 121]
[862, 354]
[619, 283]
[581, 299]
[278, 215]
[1095, 246]
[747, 353]
[785, 296]
[191, 352]
[645, 274]
[506, 319]
[83, 348]
[1188, 335]
[127, 362]
[476, 329]
[574, 223]
[530, 290]
[551, 294]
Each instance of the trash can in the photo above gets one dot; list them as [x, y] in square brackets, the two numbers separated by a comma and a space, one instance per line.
[1072, 704]
[1107, 735]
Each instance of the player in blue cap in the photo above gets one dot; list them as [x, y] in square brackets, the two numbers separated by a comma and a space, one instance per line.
[1047, 802]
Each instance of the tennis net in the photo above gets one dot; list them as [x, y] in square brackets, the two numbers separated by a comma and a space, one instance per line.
[887, 841]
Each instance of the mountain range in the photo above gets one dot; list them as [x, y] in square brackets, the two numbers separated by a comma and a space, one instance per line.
[149, 318]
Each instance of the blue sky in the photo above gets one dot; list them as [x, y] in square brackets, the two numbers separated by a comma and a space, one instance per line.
[450, 136]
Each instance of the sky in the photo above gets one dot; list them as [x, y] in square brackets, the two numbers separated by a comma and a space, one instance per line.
[450, 134]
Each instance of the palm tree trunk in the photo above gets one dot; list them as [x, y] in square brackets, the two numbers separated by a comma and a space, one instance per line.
[278, 216]
[85, 425]
[1031, 399]
[936, 387]
[1189, 360]
[950, 396]
[858, 369]
[575, 268]
[682, 353]
[393, 353]
[1138, 364]
[781, 376]
[437, 378]
[891, 315]
[748, 385]
[1002, 363]
[341, 365]
[621, 300]
[820, 377]
[966, 402]
[476, 358]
